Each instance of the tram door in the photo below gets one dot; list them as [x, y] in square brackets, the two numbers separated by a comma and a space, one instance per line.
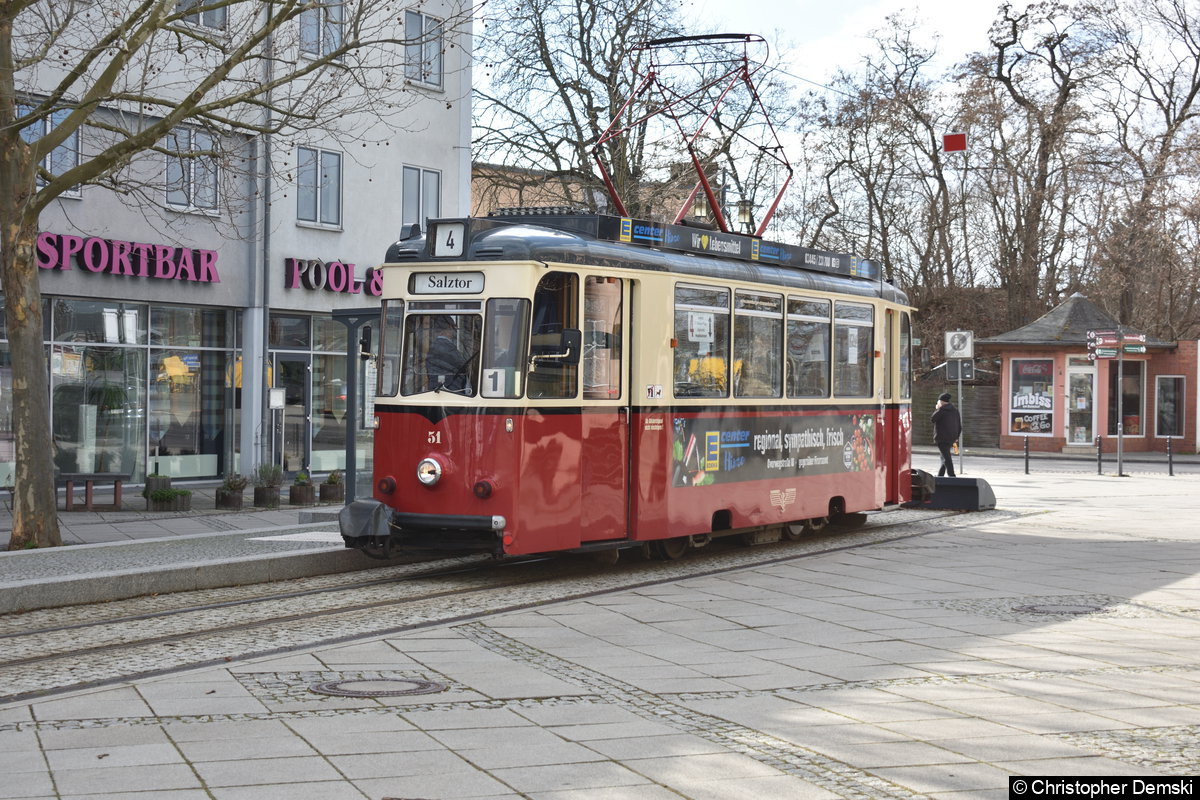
[605, 418]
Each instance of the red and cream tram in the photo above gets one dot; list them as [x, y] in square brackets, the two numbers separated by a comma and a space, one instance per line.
[559, 381]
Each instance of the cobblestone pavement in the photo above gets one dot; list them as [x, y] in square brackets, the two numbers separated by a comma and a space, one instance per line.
[1057, 635]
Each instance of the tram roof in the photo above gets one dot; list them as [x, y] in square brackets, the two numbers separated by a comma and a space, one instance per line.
[600, 240]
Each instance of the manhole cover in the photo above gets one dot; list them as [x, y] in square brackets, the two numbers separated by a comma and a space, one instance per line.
[376, 687]
[1075, 609]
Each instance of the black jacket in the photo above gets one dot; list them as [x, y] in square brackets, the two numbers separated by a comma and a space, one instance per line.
[947, 424]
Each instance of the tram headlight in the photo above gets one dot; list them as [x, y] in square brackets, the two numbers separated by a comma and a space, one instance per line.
[429, 472]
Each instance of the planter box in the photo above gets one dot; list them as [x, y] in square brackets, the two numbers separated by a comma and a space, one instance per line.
[181, 503]
[302, 494]
[333, 492]
[154, 484]
[266, 496]
[230, 498]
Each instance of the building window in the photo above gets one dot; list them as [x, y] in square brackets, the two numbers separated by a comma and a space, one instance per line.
[319, 198]
[321, 30]
[209, 17]
[191, 170]
[423, 51]
[422, 195]
[60, 159]
[1168, 404]
[1031, 396]
[1132, 392]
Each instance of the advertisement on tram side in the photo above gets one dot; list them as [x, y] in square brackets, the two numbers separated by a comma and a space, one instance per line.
[709, 451]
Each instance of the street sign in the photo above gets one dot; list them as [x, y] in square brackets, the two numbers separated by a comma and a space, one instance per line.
[1104, 340]
[960, 344]
[1133, 337]
[1134, 348]
[954, 142]
[1106, 352]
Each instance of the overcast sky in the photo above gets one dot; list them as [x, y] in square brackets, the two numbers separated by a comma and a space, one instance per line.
[824, 35]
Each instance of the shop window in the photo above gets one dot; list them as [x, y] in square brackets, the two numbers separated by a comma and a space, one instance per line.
[808, 362]
[60, 159]
[97, 407]
[555, 313]
[109, 322]
[424, 48]
[601, 338]
[1168, 405]
[1031, 396]
[853, 349]
[422, 198]
[701, 341]
[329, 335]
[1131, 398]
[319, 186]
[191, 170]
[290, 332]
[321, 29]
[208, 15]
[757, 345]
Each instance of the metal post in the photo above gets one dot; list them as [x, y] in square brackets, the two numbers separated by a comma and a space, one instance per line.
[1170, 459]
[962, 441]
[1026, 454]
[1099, 455]
[353, 319]
[1120, 402]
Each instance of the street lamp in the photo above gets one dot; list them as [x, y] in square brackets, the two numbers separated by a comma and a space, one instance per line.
[745, 214]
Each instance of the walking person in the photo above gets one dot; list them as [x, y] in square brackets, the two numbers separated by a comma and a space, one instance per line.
[947, 427]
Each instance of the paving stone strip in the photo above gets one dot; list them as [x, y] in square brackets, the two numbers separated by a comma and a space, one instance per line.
[780, 754]
[1174, 749]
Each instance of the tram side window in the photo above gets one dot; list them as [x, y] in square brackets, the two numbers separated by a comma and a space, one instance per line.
[702, 342]
[854, 349]
[808, 361]
[505, 334]
[441, 353]
[601, 338]
[905, 356]
[555, 310]
[389, 348]
[757, 345]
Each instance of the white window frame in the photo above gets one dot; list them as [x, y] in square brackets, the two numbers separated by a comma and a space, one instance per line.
[215, 18]
[320, 187]
[69, 148]
[1180, 413]
[191, 170]
[424, 55]
[330, 20]
[422, 211]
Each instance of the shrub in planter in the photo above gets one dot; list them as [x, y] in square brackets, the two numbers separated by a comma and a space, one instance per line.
[229, 493]
[302, 491]
[266, 485]
[169, 500]
[333, 490]
[154, 482]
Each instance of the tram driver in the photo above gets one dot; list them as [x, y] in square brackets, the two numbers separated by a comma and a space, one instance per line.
[445, 364]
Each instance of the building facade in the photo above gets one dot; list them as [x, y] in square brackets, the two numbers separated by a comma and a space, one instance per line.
[191, 332]
[1057, 393]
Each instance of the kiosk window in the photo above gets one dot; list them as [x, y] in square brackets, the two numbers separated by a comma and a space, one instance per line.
[1168, 404]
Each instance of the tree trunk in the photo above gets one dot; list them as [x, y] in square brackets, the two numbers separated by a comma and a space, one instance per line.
[35, 502]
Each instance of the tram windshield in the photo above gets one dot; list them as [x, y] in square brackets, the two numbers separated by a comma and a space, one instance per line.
[441, 352]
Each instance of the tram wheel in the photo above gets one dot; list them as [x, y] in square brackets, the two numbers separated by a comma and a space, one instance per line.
[605, 557]
[816, 524]
[794, 531]
[672, 549]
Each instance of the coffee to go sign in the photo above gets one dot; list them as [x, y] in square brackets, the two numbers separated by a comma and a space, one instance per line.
[334, 276]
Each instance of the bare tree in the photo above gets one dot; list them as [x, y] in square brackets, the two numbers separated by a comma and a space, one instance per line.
[121, 76]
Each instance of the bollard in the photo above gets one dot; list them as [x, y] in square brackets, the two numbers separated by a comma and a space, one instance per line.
[1099, 455]
[1170, 459]
[1026, 455]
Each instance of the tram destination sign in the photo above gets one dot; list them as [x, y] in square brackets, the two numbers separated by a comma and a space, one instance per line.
[700, 241]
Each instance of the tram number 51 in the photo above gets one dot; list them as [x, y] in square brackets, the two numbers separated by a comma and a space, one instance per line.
[435, 437]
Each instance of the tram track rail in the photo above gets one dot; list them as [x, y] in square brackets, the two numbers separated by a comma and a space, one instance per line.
[58, 659]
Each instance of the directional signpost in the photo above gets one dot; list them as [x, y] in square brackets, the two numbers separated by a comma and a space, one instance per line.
[1115, 344]
[960, 351]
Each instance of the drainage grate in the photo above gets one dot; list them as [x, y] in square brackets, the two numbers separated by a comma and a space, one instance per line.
[1059, 609]
[375, 687]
